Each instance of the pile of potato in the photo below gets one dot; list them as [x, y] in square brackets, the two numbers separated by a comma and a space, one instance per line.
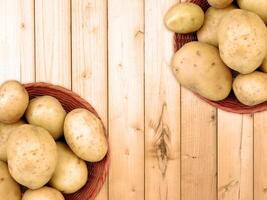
[31, 155]
[232, 38]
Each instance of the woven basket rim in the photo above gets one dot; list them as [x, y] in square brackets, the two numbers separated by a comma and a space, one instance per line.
[86, 105]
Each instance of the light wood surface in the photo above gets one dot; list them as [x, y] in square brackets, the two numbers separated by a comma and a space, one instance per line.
[126, 98]
[162, 108]
[166, 144]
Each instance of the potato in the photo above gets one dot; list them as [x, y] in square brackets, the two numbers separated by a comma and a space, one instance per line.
[242, 41]
[184, 18]
[14, 100]
[47, 112]
[71, 172]
[31, 156]
[208, 32]
[44, 193]
[220, 3]
[257, 6]
[251, 89]
[85, 135]
[198, 67]
[264, 65]
[9, 189]
[5, 131]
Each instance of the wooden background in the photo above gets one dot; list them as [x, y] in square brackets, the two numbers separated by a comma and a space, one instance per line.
[166, 143]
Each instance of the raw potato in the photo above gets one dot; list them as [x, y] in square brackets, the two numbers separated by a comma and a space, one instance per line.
[85, 135]
[5, 131]
[251, 89]
[198, 67]
[44, 193]
[31, 155]
[71, 172]
[242, 41]
[47, 112]
[257, 6]
[220, 3]
[208, 32]
[184, 18]
[14, 100]
[9, 189]
[264, 65]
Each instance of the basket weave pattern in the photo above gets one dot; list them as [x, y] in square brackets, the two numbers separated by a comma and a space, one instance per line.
[69, 100]
[230, 104]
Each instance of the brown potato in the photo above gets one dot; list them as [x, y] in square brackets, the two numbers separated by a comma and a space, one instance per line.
[251, 89]
[85, 135]
[220, 3]
[48, 113]
[9, 189]
[208, 32]
[257, 6]
[71, 172]
[31, 155]
[243, 47]
[184, 18]
[14, 100]
[198, 67]
[44, 193]
[5, 131]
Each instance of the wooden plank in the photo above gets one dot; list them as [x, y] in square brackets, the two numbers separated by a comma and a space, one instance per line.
[89, 57]
[27, 49]
[162, 108]
[53, 43]
[126, 98]
[16, 40]
[235, 156]
[198, 148]
[260, 155]
[9, 41]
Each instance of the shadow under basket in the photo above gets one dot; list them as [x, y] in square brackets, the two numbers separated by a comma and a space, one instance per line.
[69, 100]
[230, 104]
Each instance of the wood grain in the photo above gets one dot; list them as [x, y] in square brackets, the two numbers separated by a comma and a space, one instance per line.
[53, 41]
[9, 40]
[17, 40]
[27, 40]
[89, 57]
[260, 155]
[126, 98]
[198, 148]
[162, 108]
[235, 156]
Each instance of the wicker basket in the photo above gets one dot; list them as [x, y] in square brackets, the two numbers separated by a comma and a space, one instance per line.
[97, 171]
[231, 103]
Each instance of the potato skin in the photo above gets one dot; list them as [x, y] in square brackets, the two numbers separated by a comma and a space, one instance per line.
[31, 155]
[264, 65]
[71, 172]
[85, 135]
[257, 6]
[9, 189]
[251, 89]
[14, 100]
[220, 3]
[243, 47]
[47, 112]
[5, 131]
[198, 67]
[184, 18]
[208, 32]
[44, 193]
